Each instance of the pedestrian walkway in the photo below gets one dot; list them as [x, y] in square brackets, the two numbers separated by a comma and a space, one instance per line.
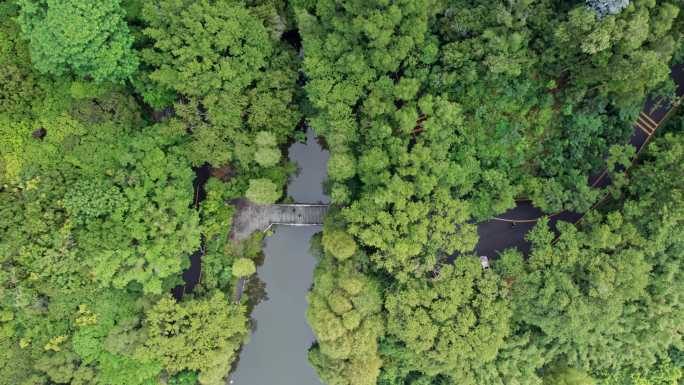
[251, 217]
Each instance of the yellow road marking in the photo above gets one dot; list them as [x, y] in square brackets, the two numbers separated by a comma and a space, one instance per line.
[645, 127]
[647, 124]
[647, 132]
[648, 118]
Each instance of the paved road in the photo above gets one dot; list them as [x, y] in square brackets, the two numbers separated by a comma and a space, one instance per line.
[509, 229]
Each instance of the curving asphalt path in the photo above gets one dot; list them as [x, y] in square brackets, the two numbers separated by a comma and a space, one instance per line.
[510, 228]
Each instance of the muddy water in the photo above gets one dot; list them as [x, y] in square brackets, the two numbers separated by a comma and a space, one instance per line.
[277, 352]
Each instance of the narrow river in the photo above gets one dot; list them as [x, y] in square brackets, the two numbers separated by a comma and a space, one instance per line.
[277, 352]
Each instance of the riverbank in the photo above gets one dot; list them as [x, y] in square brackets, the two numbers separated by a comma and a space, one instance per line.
[281, 336]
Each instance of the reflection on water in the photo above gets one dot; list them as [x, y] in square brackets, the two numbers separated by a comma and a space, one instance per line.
[313, 162]
[276, 355]
[277, 352]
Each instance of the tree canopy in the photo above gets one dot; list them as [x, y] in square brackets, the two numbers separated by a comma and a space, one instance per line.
[87, 38]
[439, 115]
[344, 313]
[236, 80]
[132, 131]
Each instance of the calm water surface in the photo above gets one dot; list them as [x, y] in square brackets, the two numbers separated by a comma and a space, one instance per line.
[276, 355]
[307, 187]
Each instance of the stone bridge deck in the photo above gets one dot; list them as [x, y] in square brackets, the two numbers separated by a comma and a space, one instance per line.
[252, 217]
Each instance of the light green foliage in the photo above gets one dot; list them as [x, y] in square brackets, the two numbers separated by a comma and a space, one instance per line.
[344, 314]
[72, 129]
[229, 24]
[267, 154]
[79, 336]
[36, 239]
[89, 199]
[451, 324]
[219, 251]
[263, 191]
[587, 279]
[339, 244]
[243, 267]
[517, 362]
[411, 237]
[236, 81]
[437, 115]
[267, 157]
[96, 205]
[155, 221]
[221, 258]
[664, 372]
[607, 297]
[90, 207]
[198, 335]
[547, 87]
[341, 166]
[623, 61]
[155, 95]
[216, 214]
[567, 376]
[86, 37]
[108, 333]
[655, 184]
[265, 139]
[59, 171]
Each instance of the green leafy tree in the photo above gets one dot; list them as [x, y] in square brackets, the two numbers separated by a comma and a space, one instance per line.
[567, 376]
[341, 166]
[339, 244]
[87, 38]
[236, 81]
[159, 226]
[198, 335]
[243, 267]
[89, 199]
[263, 191]
[19, 86]
[184, 378]
[451, 324]
[665, 372]
[345, 315]
[267, 156]
[611, 286]
[518, 361]
[96, 214]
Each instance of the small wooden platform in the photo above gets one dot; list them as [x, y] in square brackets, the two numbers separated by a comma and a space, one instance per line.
[252, 217]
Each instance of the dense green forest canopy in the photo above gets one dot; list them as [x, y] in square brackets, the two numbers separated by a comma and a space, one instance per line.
[438, 114]
[101, 125]
[452, 110]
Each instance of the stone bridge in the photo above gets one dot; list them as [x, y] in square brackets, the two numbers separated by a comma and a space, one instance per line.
[251, 217]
